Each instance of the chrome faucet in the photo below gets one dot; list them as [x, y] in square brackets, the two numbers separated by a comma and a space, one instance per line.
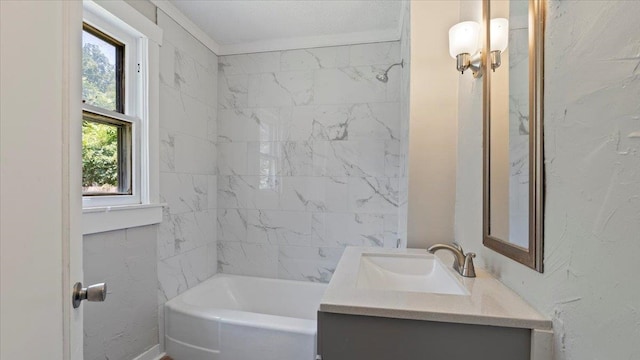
[463, 263]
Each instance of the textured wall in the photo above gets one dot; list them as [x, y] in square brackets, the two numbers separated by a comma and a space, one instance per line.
[126, 324]
[592, 216]
[187, 235]
[308, 144]
[433, 129]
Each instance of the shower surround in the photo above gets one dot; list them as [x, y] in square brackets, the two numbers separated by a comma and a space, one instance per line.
[308, 155]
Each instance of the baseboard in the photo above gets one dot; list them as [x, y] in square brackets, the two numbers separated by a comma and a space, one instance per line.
[151, 354]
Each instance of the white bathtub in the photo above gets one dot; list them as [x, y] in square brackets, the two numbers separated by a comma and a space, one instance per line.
[230, 317]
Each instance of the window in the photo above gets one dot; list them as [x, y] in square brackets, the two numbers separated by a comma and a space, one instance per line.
[113, 120]
[106, 140]
[120, 66]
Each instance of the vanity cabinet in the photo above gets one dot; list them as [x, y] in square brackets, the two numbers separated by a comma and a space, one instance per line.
[350, 337]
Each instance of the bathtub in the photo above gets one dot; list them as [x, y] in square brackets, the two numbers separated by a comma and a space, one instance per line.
[231, 317]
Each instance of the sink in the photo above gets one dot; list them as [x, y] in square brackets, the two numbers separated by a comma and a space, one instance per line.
[407, 272]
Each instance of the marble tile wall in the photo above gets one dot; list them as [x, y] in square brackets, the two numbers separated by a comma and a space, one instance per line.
[403, 187]
[308, 158]
[188, 183]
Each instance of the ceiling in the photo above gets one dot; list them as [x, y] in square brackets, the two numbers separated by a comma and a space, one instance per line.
[242, 26]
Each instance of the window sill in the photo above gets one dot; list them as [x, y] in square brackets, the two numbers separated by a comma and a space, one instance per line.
[108, 218]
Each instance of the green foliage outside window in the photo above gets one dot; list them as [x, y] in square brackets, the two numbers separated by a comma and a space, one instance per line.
[99, 141]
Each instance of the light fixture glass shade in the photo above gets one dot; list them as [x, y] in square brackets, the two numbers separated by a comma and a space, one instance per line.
[499, 34]
[463, 38]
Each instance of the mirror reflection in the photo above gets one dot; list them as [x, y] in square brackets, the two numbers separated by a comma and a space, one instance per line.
[513, 115]
[509, 130]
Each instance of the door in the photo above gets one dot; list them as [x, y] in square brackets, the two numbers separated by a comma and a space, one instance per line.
[40, 212]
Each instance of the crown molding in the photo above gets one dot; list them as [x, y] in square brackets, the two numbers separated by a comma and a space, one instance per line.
[309, 42]
[278, 44]
[187, 24]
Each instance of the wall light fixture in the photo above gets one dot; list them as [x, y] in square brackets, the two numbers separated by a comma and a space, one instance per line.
[465, 45]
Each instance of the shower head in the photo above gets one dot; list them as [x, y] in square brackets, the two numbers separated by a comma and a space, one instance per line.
[384, 77]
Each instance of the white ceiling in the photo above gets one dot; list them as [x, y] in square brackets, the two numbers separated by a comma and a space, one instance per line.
[241, 26]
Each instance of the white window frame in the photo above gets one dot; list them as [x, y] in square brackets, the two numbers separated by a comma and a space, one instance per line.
[142, 39]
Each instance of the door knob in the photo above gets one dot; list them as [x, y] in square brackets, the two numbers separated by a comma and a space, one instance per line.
[95, 292]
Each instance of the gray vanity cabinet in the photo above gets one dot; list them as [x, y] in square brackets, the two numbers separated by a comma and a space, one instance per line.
[356, 337]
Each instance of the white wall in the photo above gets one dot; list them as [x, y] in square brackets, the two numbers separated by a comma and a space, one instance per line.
[433, 128]
[308, 160]
[592, 216]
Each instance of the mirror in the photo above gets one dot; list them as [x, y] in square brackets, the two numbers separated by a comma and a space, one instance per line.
[513, 178]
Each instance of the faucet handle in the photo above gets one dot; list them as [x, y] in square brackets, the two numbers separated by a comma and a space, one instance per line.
[468, 269]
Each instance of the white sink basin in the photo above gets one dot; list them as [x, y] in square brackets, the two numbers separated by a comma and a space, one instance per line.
[407, 272]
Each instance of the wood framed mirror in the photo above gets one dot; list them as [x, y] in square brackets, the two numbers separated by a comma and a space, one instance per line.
[513, 164]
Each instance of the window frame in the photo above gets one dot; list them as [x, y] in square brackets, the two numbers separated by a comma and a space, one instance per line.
[148, 211]
[134, 94]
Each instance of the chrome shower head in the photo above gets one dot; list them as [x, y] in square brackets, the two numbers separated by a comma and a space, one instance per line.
[384, 77]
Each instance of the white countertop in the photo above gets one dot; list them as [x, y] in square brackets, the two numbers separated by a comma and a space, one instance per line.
[489, 303]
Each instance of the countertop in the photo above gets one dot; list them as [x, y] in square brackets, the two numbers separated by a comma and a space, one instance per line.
[490, 302]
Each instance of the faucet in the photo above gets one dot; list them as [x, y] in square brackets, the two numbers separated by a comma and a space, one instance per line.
[463, 263]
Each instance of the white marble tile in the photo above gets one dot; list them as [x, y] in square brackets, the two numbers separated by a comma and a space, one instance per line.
[331, 122]
[296, 123]
[267, 193]
[236, 192]
[171, 108]
[348, 229]
[349, 85]
[167, 150]
[331, 57]
[296, 158]
[302, 193]
[354, 121]
[181, 272]
[391, 236]
[281, 89]
[349, 158]
[255, 63]
[378, 121]
[315, 264]
[392, 158]
[183, 232]
[212, 259]
[167, 64]
[232, 225]
[249, 125]
[279, 227]
[248, 259]
[184, 192]
[311, 59]
[299, 60]
[212, 123]
[336, 194]
[186, 74]
[373, 195]
[323, 153]
[232, 91]
[212, 192]
[232, 158]
[384, 53]
[194, 155]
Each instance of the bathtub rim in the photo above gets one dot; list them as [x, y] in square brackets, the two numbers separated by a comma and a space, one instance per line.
[242, 317]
